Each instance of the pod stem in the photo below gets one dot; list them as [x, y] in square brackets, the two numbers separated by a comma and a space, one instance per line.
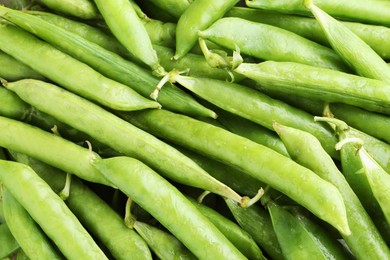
[168, 77]
[129, 219]
[247, 202]
[357, 141]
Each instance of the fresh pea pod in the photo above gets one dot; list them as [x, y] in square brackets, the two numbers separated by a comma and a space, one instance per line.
[372, 11]
[66, 70]
[354, 51]
[12, 69]
[198, 16]
[8, 243]
[306, 150]
[28, 234]
[84, 9]
[174, 7]
[127, 27]
[119, 134]
[174, 212]
[256, 160]
[55, 218]
[320, 83]
[92, 211]
[12, 106]
[161, 33]
[268, 42]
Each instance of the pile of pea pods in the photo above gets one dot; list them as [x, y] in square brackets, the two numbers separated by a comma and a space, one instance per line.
[194, 129]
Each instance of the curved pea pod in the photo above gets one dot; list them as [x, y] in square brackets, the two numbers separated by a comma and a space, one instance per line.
[240, 238]
[163, 244]
[127, 27]
[118, 134]
[175, 212]
[257, 107]
[256, 160]
[374, 11]
[306, 150]
[268, 42]
[8, 243]
[12, 106]
[55, 218]
[354, 51]
[198, 16]
[174, 7]
[379, 181]
[84, 9]
[161, 33]
[93, 212]
[12, 69]
[320, 84]
[28, 234]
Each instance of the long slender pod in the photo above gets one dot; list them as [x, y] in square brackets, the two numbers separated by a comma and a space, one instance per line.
[12, 69]
[8, 243]
[84, 9]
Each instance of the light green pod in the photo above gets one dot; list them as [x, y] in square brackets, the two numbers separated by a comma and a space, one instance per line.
[84, 9]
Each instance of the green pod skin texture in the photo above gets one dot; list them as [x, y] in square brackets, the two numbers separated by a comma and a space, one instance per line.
[320, 84]
[374, 124]
[198, 16]
[174, 7]
[376, 11]
[295, 241]
[127, 27]
[174, 212]
[374, 35]
[12, 69]
[11, 105]
[118, 134]
[257, 107]
[163, 244]
[93, 212]
[49, 148]
[268, 42]
[81, 43]
[379, 181]
[239, 238]
[354, 51]
[161, 33]
[8, 243]
[55, 218]
[62, 68]
[84, 9]
[257, 222]
[365, 240]
[28, 234]
[256, 160]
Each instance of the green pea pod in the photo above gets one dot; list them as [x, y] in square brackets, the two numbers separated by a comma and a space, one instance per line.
[306, 150]
[257, 222]
[256, 160]
[12, 106]
[174, 211]
[240, 238]
[174, 7]
[64, 69]
[379, 181]
[49, 148]
[55, 218]
[84, 9]
[161, 33]
[374, 35]
[119, 135]
[198, 16]
[8, 243]
[83, 43]
[163, 244]
[27, 233]
[373, 11]
[12, 69]
[93, 212]
[268, 42]
[155, 12]
[320, 83]
[358, 54]
[257, 107]
[127, 27]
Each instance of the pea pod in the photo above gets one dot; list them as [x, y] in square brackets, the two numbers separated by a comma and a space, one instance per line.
[321, 84]
[84, 9]
[56, 220]
[359, 55]
[306, 149]
[174, 7]
[174, 212]
[268, 42]
[12, 69]
[256, 160]
[12, 105]
[198, 16]
[9, 244]
[373, 11]
[65, 70]
[127, 27]
[28, 234]
[119, 134]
